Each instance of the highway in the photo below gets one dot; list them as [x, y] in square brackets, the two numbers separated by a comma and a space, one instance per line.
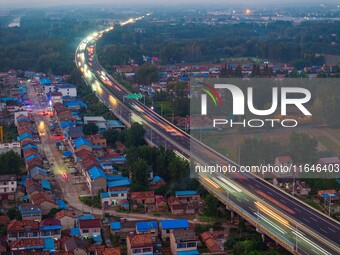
[296, 226]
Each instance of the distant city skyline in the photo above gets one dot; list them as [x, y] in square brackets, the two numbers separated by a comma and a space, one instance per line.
[44, 3]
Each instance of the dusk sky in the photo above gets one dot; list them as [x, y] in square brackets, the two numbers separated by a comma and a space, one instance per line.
[41, 3]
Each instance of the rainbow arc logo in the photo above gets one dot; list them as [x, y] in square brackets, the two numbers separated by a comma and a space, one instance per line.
[213, 94]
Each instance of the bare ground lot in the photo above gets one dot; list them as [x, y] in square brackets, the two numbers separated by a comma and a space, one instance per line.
[228, 142]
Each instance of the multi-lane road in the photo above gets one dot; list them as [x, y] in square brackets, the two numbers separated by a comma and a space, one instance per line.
[293, 224]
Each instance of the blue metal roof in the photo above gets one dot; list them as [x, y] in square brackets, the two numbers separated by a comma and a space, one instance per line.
[32, 156]
[119, 183]
[75, 232]
[185, 193]
[115, 225]
[85, 217]
[65, 124]
[97, 239]
[28, 146]
[82, 141]
[45, 81]
[114, 123]
[174, 224]
[67, 154]
[25, 135]
[145, 226]
[46, 184]
[114, 177]
[71, 104]
[157, 179]
[61, 204]
[329, 195]
[55, 227]
[193, 252]
[96, 172]
[104, 195]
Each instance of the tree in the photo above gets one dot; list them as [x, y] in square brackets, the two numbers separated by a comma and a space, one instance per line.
[52, 212]
[210, 207]
[10, 163]
[134, 136]
[146, 74]
[139, 173]
[90, 129]
[13, 214]
[111, 136]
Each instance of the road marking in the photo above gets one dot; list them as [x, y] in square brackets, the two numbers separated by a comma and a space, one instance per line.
[246, 199]
[239, 200]
[313, 219]
[283, 201]
[306, 220]
[323, 230]
[251, 208]
[269, 193]
[332, 230]
[297, 209]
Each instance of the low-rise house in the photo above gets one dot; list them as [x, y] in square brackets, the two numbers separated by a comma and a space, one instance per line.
[166, 227]
[44, 200]
[188, 196]
[50, 228]
[102, 250]
[82, 144]
[98, 120]
[156, 183]
[8, 183]
[30, 212]
[97, 140]
[214, 240]
[283, 161]
[38, 173]
[183, 242]
[150, 227]
[89, 228]
[113, 197]
[329, 161]
[161, 203]
[22, 229]
[143, 197]
[28, 245]
[96, 180]
[139, 244]
[66, 218]
[75, 245]
[115, 227]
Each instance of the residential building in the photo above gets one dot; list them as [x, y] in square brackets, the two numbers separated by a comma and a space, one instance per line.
[139, 244]
[30, 212]
[97, 140]
[113, 197]
[14, 146]
[44, 200]
[329, 161]
[96, 180]
[161, 203]
[50, 228]
[214, 240]
[75, 245]
[107, 251]
[28, 245]
[188, 196]
[89, 228]
[66, 218]
[166, 227]
[8, 183]
[143, 197]
[22, 229]
[150, 227]
[67, 89]
[98, 120]
[183, 242]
